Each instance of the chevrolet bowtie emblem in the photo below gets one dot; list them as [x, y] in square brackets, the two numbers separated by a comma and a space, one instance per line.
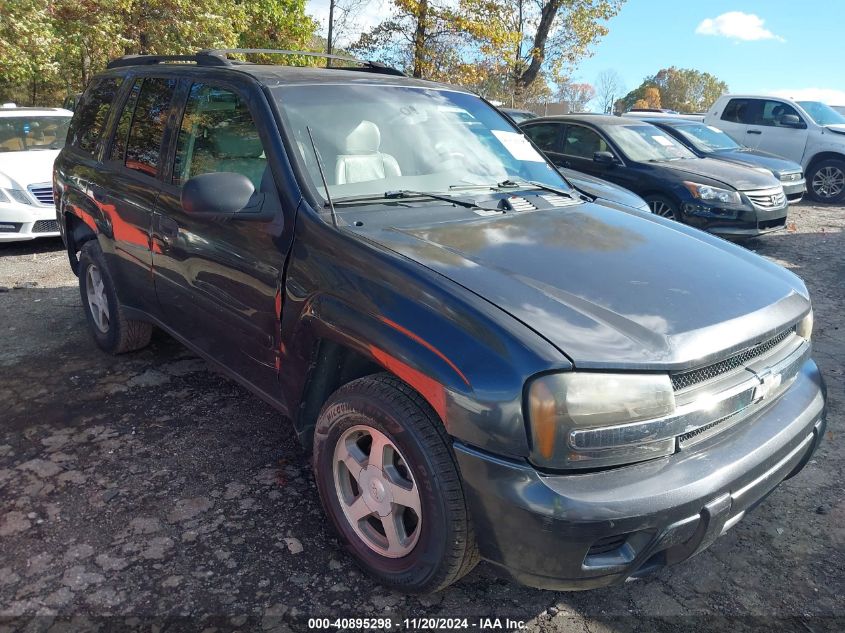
[768, 385]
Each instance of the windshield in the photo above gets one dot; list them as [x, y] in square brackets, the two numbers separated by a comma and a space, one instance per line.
[21, 133]
[706, 138]
[822, 113]
[376, 139]
[645, 142]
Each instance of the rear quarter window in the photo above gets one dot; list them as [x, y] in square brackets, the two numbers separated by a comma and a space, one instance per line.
[89, 120]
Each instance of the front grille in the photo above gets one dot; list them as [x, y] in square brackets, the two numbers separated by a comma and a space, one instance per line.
[607, 544]
[43, 193]
[685, 379]
[45, 226]
[768, 200]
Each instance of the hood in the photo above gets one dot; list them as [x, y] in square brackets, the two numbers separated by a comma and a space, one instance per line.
[759, 158]
[738, 177]
[598, 188]
[612, 288]
[838, 128]
[26, 168]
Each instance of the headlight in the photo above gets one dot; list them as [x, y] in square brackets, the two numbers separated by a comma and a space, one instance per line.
[561, 405]
[713, 194]
[804, 329]
[7, 195]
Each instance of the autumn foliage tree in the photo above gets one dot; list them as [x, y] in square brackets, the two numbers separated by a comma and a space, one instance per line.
[681, 89]
[50, 48]
[507, 49]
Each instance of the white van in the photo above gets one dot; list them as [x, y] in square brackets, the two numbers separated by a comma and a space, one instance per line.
[807, 132]
[30, 140]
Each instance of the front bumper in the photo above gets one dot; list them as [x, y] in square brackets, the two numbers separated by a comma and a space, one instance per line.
[749, 221]
[19, 222]
[794, 190]
[587, 530]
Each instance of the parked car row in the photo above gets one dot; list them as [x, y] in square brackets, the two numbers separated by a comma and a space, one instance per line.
[483, 361]
[676, 182]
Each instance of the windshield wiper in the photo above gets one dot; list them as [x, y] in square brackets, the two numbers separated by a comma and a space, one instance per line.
[510, 184]
[405, 193]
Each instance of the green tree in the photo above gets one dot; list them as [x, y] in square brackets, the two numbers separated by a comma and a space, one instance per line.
[681, 89]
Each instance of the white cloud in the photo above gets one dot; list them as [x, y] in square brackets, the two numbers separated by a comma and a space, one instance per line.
[829, 96]
[738, 26]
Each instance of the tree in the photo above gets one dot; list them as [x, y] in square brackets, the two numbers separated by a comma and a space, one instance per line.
[51, 48]
[650, 99]
[575, 95]
[464, 41]
[681, 89]
[609, 86]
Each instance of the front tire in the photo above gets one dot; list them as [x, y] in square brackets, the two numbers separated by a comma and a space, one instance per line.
[112, 331]
[826, 181]
[388, 481]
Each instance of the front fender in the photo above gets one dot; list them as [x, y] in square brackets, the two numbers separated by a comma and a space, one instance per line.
[466, 357]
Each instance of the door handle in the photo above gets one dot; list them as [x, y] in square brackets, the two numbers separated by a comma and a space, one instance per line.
[753, 132]
[166, 227]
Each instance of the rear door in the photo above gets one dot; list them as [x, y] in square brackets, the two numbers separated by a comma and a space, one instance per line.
[738, 120]
[219, 282]
[127, 188]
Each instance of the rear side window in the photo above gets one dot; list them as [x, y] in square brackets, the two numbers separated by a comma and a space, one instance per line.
[121, 133]
[90, 118]
[740, 111]
[143, 148]
[218, 134]
[545, 135]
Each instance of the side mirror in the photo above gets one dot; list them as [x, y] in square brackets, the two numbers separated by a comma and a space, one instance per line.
[792, 120]
[221, 195]
[604, 158]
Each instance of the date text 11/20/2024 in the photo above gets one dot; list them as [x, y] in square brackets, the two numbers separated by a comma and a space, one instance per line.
[416, 624]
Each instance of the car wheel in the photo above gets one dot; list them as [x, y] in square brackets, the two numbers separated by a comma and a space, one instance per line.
[388, 481]
[663, 207]
[827, 181]
[112, 331]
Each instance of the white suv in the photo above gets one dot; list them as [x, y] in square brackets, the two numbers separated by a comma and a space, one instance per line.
[30, 140]
[808, 132]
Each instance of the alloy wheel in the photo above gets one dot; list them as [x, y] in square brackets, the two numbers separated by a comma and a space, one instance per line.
[658, 207]
[98, 303]
[377, 491]
[828, 182]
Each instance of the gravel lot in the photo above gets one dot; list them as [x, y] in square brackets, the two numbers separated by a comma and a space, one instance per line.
[148, 486]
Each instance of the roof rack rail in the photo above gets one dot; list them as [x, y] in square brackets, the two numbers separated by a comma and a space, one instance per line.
[217, 57]
[202, 58]
[370, 66]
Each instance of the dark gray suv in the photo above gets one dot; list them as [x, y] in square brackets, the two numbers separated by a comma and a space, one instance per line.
[484, 362]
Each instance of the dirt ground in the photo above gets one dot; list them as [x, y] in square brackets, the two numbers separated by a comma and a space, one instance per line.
[149, 487]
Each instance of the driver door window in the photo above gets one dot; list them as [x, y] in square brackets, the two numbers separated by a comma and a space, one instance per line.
[581, 142]
[773, 113]
[218, 134]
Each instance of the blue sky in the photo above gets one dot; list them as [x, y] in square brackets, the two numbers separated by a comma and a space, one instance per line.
[774, 46]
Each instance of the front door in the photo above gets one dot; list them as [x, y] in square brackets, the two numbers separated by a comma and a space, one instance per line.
[219, 281]
[780, 139]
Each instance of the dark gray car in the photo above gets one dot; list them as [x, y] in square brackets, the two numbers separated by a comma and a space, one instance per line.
[711, 142]
[483, 363]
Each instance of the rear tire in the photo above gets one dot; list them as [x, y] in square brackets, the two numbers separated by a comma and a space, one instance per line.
[826, 181]
[112, 331]
[411, 490]
[664, 207]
